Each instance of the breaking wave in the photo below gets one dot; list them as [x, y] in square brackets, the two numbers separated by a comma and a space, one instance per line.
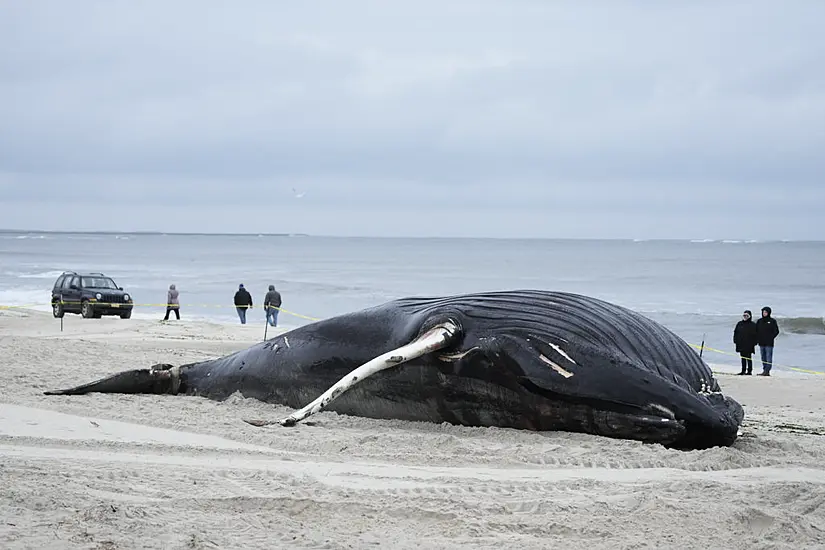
[41, 275]
[802, 325]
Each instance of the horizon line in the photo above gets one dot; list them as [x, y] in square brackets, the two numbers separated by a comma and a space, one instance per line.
[259, 234]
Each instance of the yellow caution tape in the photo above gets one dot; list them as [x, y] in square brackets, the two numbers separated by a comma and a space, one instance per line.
[756, 360]
[188, 305]
[282, 310]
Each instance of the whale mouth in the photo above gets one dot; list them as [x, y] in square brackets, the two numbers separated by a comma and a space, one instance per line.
[649, 428]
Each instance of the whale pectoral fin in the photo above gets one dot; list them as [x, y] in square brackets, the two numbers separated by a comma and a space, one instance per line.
[156, 379]
[438, 337]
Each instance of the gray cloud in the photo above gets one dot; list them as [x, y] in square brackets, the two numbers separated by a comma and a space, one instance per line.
[525, 118]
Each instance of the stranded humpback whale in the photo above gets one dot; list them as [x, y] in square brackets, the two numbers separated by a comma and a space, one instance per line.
[524, 359]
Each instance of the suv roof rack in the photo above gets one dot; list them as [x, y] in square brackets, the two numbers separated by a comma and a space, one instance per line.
[82, 274]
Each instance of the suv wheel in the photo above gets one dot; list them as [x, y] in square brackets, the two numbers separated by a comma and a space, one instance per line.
[86, 310]
[57, 310]
[126, 315]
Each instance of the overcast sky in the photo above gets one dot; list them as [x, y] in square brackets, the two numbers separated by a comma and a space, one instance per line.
[631, 119]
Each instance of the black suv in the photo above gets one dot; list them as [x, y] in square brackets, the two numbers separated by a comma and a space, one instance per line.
[91, 295]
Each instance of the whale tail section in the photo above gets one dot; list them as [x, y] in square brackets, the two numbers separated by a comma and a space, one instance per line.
[157, 379]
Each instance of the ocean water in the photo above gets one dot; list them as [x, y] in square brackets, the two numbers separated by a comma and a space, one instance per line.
[697, 288]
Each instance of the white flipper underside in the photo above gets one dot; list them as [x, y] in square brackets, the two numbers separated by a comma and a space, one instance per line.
[436, 338]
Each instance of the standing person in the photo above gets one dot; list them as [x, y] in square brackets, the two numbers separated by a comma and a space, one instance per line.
[272, 302]
[243, 301]
[172, 303]
[744, 336]
[767, 329]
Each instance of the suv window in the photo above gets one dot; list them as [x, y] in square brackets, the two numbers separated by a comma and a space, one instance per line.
[98, 282]
[59, 282]
[68, 282]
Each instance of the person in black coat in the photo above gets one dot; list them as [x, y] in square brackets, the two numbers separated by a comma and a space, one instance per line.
[243, 302]
[745, 338]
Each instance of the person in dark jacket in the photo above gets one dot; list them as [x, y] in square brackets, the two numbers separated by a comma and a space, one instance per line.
[272, 301]
[767, 329]
[744, 336]
[243, 301]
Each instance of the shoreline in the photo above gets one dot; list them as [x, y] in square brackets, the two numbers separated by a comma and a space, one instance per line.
[683, 239]
[722, 368]
[797, 352]
[159, 471]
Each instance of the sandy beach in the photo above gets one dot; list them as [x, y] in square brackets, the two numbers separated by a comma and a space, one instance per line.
[142, 471]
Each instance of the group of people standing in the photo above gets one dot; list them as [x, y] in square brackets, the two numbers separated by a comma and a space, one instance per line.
[243, 302]
[272, 304]
[747, 335]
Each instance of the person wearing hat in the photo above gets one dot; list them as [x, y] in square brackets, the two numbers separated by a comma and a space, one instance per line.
[744, 336]
[272, 303]
[172, 303]
[243, 301]
[767, 329]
